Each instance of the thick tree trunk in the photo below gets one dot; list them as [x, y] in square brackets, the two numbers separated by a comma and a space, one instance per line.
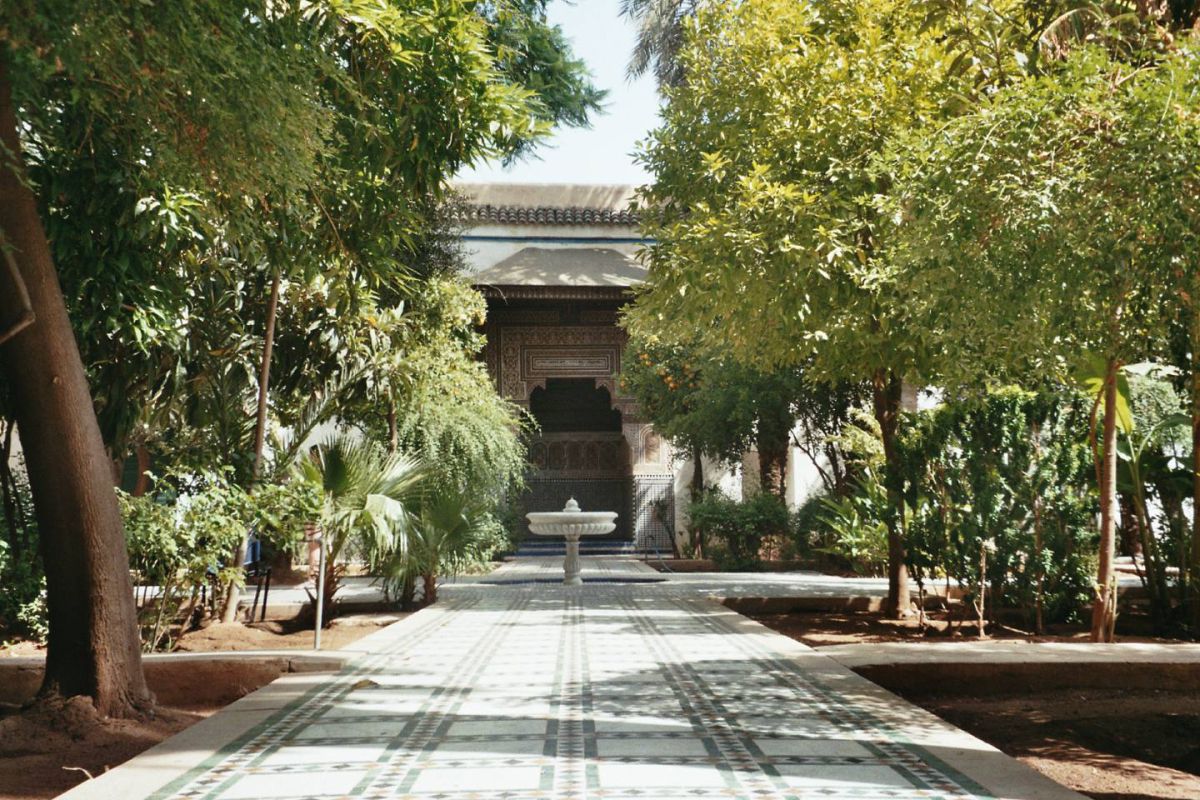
[772, 466]
[886, 388]
[93, 646]
[1105, 605]
[229, 613]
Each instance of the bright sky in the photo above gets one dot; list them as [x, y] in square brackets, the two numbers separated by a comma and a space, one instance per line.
[602, 153]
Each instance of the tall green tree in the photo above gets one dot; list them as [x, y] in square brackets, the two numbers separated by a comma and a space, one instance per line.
[346, 112]
[710, 405]
[125, 83]
[762, 209]
[1052, 230]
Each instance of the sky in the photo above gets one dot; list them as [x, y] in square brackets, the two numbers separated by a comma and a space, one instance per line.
[602, 153]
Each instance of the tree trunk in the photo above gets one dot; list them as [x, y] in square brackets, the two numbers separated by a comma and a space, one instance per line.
[408, 592]
[93, 646]
[772, 466]
[143, 466]
[393, 432]
[1193, 582]
[1105, 604]
[697, 491]
[886, 396]
[229, 613]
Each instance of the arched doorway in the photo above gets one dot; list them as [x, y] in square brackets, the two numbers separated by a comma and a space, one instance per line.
[579, 451]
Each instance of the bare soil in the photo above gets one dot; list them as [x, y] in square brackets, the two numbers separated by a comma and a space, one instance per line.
[1123, 745]
[823, 629]
[52, 747]
[1112, 743]
[283, 634]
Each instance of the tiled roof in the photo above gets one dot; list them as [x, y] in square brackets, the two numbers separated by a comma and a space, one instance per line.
[545, 215]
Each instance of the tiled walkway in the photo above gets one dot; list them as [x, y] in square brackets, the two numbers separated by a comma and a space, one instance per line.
[531, 690]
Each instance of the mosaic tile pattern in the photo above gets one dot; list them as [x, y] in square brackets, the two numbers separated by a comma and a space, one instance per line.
[598, 692]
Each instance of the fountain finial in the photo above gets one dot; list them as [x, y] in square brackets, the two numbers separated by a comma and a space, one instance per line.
[571, 507]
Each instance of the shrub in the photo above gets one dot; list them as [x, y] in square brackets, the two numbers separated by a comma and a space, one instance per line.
[180, 538]
[22, 595]
[1011, 468]
[734, 531]
[22, 580]
[449, 532]
[855, 526]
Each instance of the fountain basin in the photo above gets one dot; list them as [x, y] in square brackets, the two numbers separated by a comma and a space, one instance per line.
[571, 523]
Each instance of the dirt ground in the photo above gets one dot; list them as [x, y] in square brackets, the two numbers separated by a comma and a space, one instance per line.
[822, 629]
[1108, 744]
[47, 750]
[269, 635]
[283, 635]
[1127, 745]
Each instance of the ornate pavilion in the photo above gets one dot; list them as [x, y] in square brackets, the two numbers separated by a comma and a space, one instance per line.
[556, 262]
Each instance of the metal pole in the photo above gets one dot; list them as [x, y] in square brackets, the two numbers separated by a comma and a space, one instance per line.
[320, 591]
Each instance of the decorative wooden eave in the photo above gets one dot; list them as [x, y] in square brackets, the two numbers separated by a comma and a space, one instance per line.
[598, 293]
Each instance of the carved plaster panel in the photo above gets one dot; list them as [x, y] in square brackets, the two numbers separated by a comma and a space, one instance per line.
[528, 356]
[585, 456]
[650, 454]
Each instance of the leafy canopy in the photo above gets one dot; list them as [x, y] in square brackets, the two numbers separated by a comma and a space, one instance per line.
[762, 209]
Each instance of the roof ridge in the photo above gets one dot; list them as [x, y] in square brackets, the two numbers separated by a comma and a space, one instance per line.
[545, 215]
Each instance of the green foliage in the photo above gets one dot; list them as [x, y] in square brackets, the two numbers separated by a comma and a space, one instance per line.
[450, 532]
[706, 401]
[168, 230]
[1010, 469]
[761, 210]
[660, 26]
[180, 536]
[22, 581]
[861, 441]
[450, 412]
[1063, 200]
[734, 531]
[22, 595]
[854, 528]
[367, 495]
[536, 55]
[1155, 480]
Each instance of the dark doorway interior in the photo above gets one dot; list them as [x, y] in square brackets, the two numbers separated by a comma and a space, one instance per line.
[569, 405]
[579, 452]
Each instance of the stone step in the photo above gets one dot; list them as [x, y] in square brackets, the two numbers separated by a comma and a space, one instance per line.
[553, 546]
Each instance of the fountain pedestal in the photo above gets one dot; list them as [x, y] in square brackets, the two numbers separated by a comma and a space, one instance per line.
[571, 523]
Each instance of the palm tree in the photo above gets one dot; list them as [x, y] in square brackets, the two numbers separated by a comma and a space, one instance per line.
[449, 529]
[368, 496]
[661, 26]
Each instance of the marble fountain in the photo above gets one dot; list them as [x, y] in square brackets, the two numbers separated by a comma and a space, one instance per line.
[571, 523]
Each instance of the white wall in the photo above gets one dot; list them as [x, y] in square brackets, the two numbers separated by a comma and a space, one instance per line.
[716, 475]
[488, 245]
